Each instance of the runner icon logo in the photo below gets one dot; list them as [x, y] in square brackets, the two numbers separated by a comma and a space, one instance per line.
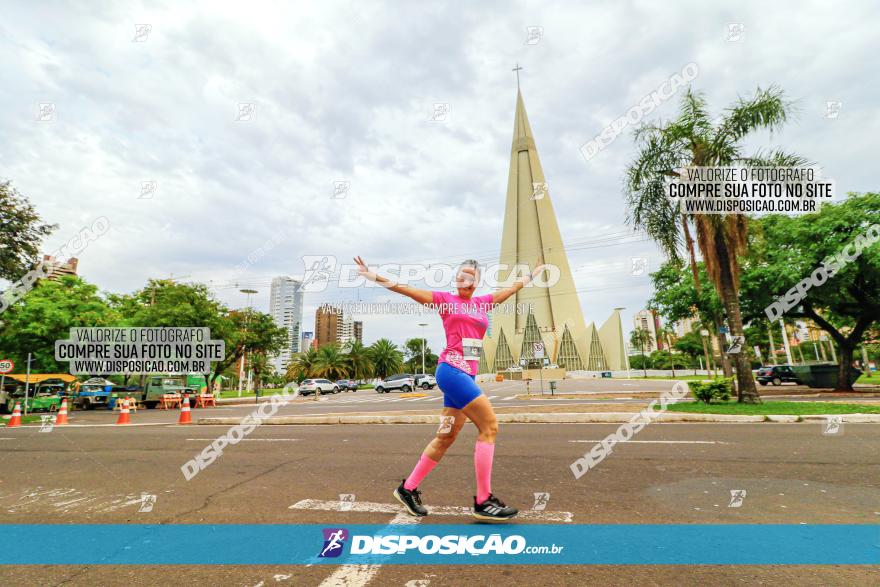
[334, 540]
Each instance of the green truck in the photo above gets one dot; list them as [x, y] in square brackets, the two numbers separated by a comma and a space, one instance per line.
[155, 386]
[45, 395]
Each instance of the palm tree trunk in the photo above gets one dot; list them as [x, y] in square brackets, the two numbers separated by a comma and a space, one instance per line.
[746, 391]
[692, 258]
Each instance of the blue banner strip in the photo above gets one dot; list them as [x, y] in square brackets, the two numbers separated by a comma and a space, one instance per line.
[425, 544]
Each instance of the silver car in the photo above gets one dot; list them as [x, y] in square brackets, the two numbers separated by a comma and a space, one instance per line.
[322, 386]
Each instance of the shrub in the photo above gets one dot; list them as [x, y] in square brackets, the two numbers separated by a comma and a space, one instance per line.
[719, 389]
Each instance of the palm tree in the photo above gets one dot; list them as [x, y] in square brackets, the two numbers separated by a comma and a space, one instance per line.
[693, 139]
[358, 359]
[641, 338]
[387, 359]
[331, 363]
[666, 333]
[302, 365]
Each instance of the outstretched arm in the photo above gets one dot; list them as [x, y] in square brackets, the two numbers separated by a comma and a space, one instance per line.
[421, 296]
[501, 295]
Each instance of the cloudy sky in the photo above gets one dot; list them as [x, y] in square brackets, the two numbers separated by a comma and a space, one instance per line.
[344, 92]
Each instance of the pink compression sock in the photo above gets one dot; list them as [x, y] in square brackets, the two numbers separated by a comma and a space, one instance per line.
[483, 454]
[423, 467]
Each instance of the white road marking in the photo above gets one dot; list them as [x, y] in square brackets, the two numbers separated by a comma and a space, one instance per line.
[391, 508]
[253, 439]
[663, 441]
[133, 424]
[39, 499]
[507, 399]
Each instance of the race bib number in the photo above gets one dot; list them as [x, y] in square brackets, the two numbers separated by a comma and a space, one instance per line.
[470, 348]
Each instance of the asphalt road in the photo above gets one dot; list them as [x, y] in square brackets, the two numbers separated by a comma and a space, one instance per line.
[507, 394]
[681, 473]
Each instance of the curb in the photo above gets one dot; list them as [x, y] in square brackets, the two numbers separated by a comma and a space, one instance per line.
[532, 418]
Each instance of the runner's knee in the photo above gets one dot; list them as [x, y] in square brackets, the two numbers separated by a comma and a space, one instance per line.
[489, 429]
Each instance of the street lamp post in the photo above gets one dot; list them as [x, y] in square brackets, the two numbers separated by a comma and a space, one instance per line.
[423, 324]
[247, 292]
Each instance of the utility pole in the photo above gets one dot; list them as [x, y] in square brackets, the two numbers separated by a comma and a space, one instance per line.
[423, 324]
[244, 355]
[785, 342]
[27, 385]
[772, 347]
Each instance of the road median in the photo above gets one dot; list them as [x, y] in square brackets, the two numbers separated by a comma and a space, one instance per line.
[540, 418]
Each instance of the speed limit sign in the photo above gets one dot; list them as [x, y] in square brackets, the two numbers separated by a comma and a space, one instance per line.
[6, 366]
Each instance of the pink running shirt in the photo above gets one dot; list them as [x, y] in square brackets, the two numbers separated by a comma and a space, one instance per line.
[465, 323]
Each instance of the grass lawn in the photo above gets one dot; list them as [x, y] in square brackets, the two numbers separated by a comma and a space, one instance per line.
[874, 379]
[234, 393]
[777, 408]
[677, 377]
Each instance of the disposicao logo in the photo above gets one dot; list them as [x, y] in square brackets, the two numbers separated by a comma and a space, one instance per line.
[334, 540]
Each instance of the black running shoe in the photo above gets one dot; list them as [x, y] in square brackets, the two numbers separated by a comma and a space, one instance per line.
[493, 510]
[411, 500]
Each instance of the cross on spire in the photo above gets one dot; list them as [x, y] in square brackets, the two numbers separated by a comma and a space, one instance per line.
[517, 70]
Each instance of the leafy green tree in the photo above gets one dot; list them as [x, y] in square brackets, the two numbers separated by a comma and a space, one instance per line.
[387, 359]
[784, 250]
[22, 231]
[694, 139]
[691, 344]
[246, 332]
[413, 352]
[47, 314]
[676, 296]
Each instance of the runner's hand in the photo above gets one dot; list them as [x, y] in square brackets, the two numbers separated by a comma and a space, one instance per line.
[364, 271]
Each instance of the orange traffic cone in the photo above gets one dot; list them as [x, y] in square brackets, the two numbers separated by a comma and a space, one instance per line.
[61, 419]
[124, 416]
[185, 416]
[15, 420]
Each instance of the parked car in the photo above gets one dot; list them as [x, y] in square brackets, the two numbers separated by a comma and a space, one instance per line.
[776, 374]
[402, 381]
[322, 386]
[347, 385]
[425, 381]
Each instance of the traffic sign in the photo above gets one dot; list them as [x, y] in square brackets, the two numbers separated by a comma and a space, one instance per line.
[538, 350]
[736, 345]
[6, 366]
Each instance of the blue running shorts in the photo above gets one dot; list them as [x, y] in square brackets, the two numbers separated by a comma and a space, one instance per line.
[459, 389]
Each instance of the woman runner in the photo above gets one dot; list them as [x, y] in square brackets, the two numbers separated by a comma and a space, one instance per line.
[465, 321]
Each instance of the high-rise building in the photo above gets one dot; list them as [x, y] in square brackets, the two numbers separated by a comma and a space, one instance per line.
[333, 325]
[550, 315]
[685, 326]
[648, 321]
[328, 322]
[60, 268]
[307, 339]
[286, 309]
